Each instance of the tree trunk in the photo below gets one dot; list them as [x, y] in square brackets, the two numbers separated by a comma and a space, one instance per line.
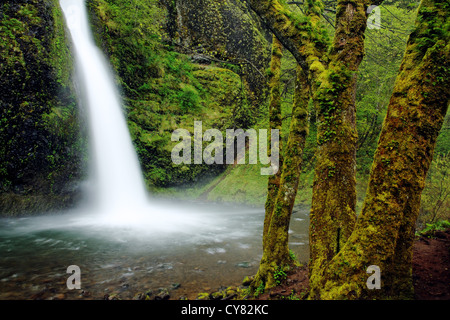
[333, 86]
[276, 255]
[304, 38]
[384, 232]
[275, 122]
[333, 215]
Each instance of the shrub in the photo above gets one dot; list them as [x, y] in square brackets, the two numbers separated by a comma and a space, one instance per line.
[435, 196]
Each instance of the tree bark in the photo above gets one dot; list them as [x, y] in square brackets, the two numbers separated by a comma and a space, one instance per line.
[275, 122]
[384, 232]
[333, 209]
[333, 84]
[301, 37]
[276, 255]
[332, 75]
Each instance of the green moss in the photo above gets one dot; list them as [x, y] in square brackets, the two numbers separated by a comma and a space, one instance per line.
[203, 296]
[40, 141]
[60, 55]
[163, 89]
[384, 232]
[228, 31]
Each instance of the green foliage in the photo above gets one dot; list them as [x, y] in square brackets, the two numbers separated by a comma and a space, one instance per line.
[260, 289]
[435, 203]
[385, 48]
[404, 4]
[292, 296]
[292, 255]
[434, 29]
[431, 228]
[189, 99]
[443, 141]
[279, 275]
[163, 89]
[384, 51]
[41, 144]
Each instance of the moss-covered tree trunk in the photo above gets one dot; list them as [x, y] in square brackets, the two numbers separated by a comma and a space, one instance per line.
[276, 257]
[332, 75]
[333, 216]
[384, 232]
[275, 122]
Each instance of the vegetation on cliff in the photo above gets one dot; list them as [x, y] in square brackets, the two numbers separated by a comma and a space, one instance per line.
[41, 144]
[165, 89]
[361, 107]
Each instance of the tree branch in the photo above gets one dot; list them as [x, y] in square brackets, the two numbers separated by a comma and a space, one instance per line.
[236, 62]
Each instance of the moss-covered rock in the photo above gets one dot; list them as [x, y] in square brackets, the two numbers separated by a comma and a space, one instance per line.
[163, 89]
[226, 30]
[40, 141]
[203, 296]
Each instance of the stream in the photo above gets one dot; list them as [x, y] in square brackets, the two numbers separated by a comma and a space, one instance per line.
[220, 246]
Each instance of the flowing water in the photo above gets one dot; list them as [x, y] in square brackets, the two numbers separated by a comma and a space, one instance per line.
[115, 171]
[220, 247]
[123, 241]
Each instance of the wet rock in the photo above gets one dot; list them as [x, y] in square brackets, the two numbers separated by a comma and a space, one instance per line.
[175, 286]
[113, 296]
[243, 264]
[163, 294]
[230, 291]
[143, 295]
[139, 296]
[201, 59]
[227, 30]
[85, 294]
[39, 295]
[165, 266]
[247, 281]
[148, 295]
[217, 295]
[203, 296]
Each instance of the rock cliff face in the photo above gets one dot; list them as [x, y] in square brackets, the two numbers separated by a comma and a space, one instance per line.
[40, 141]
[225, 30]
[176, 62]
[176, 65]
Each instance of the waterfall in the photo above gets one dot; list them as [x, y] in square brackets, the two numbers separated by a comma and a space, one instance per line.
[119, 188]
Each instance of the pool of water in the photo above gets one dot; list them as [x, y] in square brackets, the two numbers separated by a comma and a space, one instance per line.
[188, 249]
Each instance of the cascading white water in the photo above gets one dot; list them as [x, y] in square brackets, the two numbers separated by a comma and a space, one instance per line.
[119, 186]
[119, 194]
[119, 190]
